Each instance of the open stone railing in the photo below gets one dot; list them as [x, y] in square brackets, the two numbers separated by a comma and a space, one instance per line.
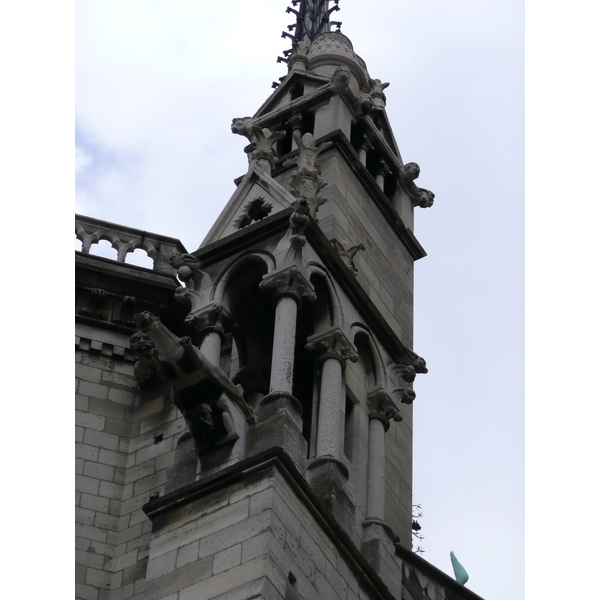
[127, 239]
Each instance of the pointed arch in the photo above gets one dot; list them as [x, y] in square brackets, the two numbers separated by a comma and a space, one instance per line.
[362, 331]
[314, 268]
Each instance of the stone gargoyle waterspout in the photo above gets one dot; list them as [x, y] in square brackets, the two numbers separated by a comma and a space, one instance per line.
[202, 390]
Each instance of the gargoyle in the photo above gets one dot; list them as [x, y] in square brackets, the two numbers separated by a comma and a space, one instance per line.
[195, 381]
[347, 253]
[143, 348]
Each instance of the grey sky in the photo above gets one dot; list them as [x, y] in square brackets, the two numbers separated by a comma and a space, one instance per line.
[157, 85]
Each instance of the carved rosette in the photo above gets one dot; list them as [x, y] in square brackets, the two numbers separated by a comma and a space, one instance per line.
[383, 407]
[289, 282]
[332, 343]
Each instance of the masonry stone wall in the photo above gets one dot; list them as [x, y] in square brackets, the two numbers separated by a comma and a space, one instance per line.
[124, 445]
[252, 539]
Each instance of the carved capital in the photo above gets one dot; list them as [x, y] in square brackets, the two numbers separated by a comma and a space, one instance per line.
[213, 317]
[332, 343]
[289, 282]
[382, 407]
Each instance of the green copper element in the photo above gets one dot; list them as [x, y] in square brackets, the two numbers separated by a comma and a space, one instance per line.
[459, 571]
[312, 18]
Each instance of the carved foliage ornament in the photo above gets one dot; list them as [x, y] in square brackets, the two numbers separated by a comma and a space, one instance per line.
[332, 344]
[382, 407]
[290, 282]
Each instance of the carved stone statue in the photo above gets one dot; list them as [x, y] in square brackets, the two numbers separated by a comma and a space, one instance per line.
[306, 182]
[200, 387]
[260, 150]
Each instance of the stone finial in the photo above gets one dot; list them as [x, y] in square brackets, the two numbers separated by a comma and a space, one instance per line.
[289, 282]
[332, 343]
[260, 150]
[382, 407]
[347, 253]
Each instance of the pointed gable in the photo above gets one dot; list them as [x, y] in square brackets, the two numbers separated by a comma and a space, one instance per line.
[258, 195]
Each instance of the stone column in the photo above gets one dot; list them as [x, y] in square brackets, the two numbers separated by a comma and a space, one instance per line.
[328, 475]
[382, 410]
[364, 148]
[279, 413]
[211, 323]
[334, 349]
[382, 171]
[379, 540]
[290, 287]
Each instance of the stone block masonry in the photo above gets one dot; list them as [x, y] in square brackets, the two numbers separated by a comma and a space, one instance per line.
[124, 445]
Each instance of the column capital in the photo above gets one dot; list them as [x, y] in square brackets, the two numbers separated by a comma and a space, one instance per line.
[332, 343]
[213, 317]
[383, 407]
[289, 282]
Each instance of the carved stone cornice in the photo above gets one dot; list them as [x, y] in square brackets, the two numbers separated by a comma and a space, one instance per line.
[332, 343]
[289, 282]
[383, 407]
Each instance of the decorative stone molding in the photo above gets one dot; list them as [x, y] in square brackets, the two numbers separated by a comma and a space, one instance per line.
[298, 60]
[289, 282]
[260, 149]
[332, 343]
[347, 253]
[201, 388]
[382, 407]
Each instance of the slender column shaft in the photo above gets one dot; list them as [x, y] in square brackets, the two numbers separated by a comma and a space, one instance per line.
[380, 179]
[362, 156]
[328, 432]
[211, 347]
[376, 470]
[284, 340]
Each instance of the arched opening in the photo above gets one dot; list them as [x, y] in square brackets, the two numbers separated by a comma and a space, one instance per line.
[246, 351]
[105, 249]
[140, 258]
[366, 360]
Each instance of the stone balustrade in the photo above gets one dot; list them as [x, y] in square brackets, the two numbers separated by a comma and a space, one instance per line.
[127, 239]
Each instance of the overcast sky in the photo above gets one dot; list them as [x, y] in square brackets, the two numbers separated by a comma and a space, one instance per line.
[157, 85]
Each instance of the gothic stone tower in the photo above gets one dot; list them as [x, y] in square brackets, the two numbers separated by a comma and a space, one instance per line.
[253, 437]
